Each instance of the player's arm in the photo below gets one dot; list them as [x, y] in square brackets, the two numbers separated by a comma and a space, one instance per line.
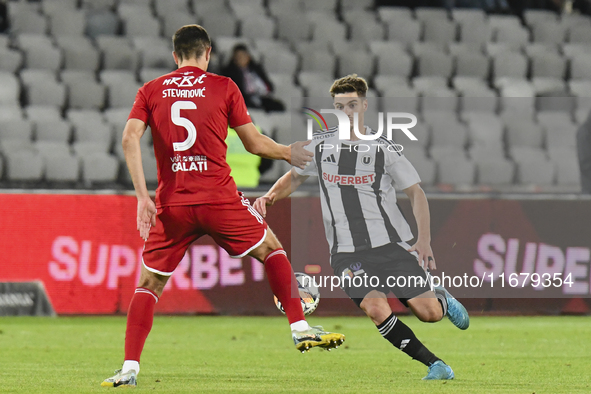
[420, 210]
[263, 146]
[284, 186]
[146, 210]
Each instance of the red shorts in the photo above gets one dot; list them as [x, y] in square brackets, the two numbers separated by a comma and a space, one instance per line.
[237, 227]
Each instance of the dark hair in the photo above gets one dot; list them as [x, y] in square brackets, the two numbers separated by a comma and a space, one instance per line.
[190, 41]
[240, 47]
[349, 84]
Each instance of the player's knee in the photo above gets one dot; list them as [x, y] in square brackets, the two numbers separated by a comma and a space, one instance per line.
[153, 282]
[432, 312]
[375, 310]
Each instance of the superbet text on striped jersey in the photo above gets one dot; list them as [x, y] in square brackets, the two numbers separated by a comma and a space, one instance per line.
[358, 182]
[188, 111]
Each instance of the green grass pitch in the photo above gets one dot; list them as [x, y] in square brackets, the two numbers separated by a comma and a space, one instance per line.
[255, 355]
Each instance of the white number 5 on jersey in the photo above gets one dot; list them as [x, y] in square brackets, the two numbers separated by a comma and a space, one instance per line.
[178, 120]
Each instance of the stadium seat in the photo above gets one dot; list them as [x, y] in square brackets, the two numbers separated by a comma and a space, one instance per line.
[423, 133]
[472, 65]
[221, 25]
[428, 14]
[25, 41]
[94, 132]
[320, 5]
[549, 32]
[364, 31]
[122, 95]
[43, 57]
[98, 4]
[86, 95]
[79, 53]
[486, 153]
[102, 23]
[537, 48]
[406, 31]
[580, 34]
[346, 47]
[439, 102]
[386, 48]
[283, 7]
[509, 64]
[70, 77]
[561, 135]
[57, 130]
[512, 35]
[524, 133]
[9, 88]
[494, 171]
[46, 92]
[16, 129]
[50, 7]
[256, 26]
[166, 7]
[60, 168]
[485, 130]
[148, 74]
[10, 112]
[209, 7]
[52, 148]
[579, 67]
[135, 10]
[116, 77]
[535, 17]
[319, 62]
[567, 171]
[535, 171]
[99, 168]
[426, 168]
[118, 54]
[293, 29]
[283, 62]
[32, 23]
[432, 63]
[24, 165]
[440, 31]
[392, 62]
[290, 94]
[141, 26]
[360, 63]
[158, 57]
[456, 170]
[571, 50]
[429, 84]
[329, 31]
[10, 60]
[504, 21]
[247, 8]
[495, 48]
[476, 32]
[449, 133]
[70, 22]
[172, 21]
[86, 148]
[478, 103]
[348, 5]
[42, 113]
[468, 15]
[82, 116]
[472, 87]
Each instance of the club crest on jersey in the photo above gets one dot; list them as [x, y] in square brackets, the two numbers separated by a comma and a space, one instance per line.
[367, 160]
[356, 268]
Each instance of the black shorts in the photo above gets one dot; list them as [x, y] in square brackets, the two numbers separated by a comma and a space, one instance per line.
[385, 268]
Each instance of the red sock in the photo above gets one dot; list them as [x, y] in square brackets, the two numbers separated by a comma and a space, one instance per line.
[140, 317]
[282, 281]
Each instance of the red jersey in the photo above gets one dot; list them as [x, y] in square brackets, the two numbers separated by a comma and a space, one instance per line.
[189, 111]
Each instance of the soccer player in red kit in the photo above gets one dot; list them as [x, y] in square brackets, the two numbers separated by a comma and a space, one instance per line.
[189, 111]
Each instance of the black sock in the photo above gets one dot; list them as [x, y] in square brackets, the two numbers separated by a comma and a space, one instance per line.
[402, 337]
[442, 300]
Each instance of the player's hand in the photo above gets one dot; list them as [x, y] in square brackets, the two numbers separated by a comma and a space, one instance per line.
[300, 156]
[423, 249]
[261, 203]
[146, 216]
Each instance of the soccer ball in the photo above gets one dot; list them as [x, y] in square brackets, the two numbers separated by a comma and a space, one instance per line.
[309, 294]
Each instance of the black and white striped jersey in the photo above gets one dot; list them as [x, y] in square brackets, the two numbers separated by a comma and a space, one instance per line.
[358, 182]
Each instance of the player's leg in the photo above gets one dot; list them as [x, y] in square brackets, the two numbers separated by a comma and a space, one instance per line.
[284, 286]
[431, 306]
[376, 307]
[162, 253]
[241, 230]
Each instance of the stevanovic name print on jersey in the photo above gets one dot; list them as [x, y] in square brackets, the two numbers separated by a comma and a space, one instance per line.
[358, 182]
[188, 111]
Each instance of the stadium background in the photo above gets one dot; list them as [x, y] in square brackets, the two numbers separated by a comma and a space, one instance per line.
[499, 98]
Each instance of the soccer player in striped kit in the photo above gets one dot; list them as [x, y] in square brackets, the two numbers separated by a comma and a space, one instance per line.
[366, 230]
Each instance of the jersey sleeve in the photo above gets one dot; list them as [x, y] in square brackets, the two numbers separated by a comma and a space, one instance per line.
[401, 170]
[311, 169]
[140, 109]
[237, 112]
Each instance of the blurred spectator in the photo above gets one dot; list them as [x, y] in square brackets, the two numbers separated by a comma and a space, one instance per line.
[584, 153]
[252, 80]
[3, 16]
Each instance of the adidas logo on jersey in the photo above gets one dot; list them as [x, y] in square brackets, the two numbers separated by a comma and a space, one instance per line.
[330, 159]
